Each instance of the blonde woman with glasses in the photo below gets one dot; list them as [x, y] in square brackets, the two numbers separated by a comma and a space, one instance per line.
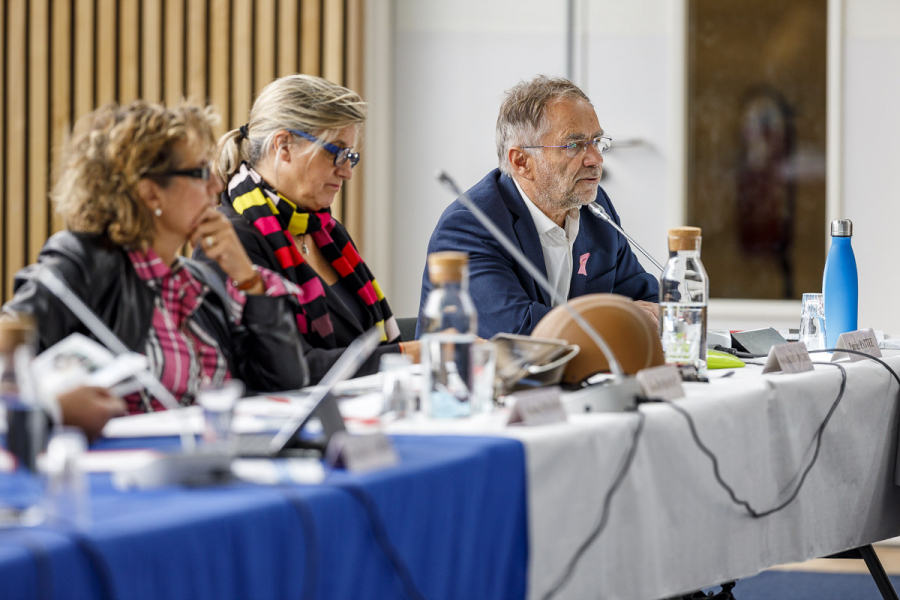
[283, 169]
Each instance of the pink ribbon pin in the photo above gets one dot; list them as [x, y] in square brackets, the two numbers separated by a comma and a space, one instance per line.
[582, 269]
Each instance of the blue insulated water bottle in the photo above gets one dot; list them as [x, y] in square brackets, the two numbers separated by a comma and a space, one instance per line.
[840, 283]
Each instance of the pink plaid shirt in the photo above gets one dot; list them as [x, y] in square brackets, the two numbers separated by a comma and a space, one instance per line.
[179, 352]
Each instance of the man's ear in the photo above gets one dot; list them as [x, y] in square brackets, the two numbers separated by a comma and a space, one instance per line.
[521, 163]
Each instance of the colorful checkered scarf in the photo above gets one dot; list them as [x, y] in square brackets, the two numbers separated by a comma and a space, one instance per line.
[278, 219]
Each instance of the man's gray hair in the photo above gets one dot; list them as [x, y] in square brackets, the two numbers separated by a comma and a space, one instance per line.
[523, 120]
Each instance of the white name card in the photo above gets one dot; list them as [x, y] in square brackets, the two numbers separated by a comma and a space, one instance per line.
[539, 406]
[789, 358]
[660, 383]
[863, 340]
[364, 452]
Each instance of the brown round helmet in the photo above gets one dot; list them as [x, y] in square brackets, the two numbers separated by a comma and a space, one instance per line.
[626, 328]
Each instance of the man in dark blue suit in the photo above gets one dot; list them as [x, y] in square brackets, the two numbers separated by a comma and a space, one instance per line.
[550, 147]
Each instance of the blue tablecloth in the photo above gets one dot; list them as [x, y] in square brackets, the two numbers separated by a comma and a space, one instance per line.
[455, 509]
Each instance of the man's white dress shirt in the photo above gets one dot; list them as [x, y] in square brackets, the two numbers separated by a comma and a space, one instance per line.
[556, 244]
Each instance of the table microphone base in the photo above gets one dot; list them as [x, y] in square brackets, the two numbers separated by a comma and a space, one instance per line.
[609, 396]
[194, 469]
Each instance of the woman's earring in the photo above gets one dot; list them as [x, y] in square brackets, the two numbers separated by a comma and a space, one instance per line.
[157, 211]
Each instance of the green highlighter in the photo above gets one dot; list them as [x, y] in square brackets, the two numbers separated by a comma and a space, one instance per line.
[722, 360]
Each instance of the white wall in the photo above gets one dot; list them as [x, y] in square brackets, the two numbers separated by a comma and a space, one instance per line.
[871, 154]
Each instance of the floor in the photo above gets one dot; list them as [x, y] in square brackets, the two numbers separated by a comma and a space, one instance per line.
[889, 555]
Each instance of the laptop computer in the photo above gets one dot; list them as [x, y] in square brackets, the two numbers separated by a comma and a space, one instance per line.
[320, 403]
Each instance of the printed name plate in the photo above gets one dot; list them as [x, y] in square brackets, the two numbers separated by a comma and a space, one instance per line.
[539, 406]
[363, 452]
[789, 358]
[660, 383]
[862, 340]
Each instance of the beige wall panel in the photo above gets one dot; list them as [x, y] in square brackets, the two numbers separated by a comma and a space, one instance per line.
[84, 57]
[129, 52]
[219, 67]
[288, 29]
[311, 37]
[196, 51]
[39, 126]
[264, 52]
[15, 141]
[61, 91]
[151, 50]
[241, 64]
[106, 51]
[173, 59]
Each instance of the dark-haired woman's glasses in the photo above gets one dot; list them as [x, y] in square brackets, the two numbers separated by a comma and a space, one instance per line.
[198, 173]
[341, 155]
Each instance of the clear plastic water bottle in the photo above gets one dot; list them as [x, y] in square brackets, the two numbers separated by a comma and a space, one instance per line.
[683, 299]
[450, 325]
[840, 283]
[27, 426]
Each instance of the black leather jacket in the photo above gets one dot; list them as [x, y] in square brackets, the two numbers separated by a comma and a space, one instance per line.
[264, 351]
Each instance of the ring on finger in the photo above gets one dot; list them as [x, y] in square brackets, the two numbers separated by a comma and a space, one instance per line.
[209, 241]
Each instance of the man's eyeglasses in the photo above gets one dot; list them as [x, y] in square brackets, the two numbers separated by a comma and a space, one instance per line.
[203, 173]
[573, 149]
[341, 155]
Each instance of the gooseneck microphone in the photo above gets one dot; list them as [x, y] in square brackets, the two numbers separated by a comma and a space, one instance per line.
[539, 277]
[598, 212]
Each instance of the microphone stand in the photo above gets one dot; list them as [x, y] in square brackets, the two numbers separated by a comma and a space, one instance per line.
[598, 212]
[592, 333]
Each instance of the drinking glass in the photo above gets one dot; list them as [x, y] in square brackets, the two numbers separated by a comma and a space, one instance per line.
[812, 322]
[218, 404]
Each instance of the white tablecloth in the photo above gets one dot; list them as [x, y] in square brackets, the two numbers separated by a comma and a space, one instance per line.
[672, 528]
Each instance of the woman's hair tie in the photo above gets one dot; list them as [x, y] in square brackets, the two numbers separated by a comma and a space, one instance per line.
[244, 131]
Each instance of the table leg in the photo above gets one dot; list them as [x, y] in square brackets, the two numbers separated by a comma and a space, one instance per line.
[867, 553]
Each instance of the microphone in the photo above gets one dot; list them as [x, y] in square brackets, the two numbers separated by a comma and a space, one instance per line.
[598, 212]
[520, 258]
[103, 333]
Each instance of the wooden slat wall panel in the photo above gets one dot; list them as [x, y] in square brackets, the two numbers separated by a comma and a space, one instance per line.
[151, 58]
[265, 40]
[173, 57]
[353, 195]
[241, 62]
[129, 52]
[311, 37]
[38, 125]
[61, 93]
[62, 58]
[3, 228]
[16, 165]
[105, 40]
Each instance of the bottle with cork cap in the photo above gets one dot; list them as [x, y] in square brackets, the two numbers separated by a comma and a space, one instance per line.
[26, 423]
[449, 328]
[840, 283]
[683, 299]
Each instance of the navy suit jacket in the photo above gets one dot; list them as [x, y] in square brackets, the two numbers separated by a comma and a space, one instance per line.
[506, 297]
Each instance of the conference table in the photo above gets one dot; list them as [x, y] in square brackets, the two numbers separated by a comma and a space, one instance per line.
[477, 509]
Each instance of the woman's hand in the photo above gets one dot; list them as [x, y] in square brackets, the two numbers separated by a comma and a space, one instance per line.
[412, 350]
[90, 408]
[216, 235]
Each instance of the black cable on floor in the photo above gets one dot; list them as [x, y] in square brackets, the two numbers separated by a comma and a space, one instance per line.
[381, 537]
[604, 513]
